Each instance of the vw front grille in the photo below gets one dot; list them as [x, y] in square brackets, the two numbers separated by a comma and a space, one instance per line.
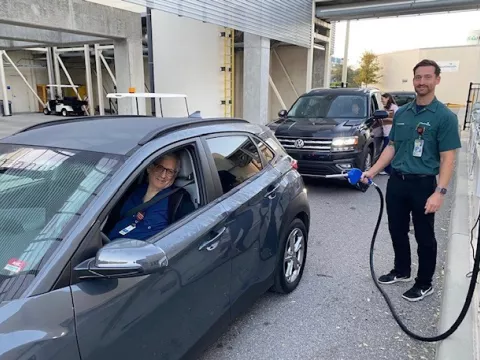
[305, 143]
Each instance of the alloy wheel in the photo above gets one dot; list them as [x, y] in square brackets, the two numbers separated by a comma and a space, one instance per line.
[294, 255]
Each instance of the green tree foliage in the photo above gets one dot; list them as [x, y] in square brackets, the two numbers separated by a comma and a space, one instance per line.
[336, 78]
[369, 70]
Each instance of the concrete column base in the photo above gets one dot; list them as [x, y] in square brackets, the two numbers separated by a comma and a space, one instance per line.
[129, 73]
[256, 78]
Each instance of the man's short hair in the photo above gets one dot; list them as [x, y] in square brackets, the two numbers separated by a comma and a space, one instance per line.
[427, 62]
[171, 155]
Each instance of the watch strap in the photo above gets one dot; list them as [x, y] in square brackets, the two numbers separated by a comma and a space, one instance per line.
[441, 190]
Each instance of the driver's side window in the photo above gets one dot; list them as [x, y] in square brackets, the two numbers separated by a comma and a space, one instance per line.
[165, 192]
[374, 105]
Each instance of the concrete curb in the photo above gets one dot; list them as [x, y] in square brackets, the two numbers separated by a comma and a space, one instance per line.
[460, 345]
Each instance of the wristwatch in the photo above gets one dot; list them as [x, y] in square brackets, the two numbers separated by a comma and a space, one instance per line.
[442, 191]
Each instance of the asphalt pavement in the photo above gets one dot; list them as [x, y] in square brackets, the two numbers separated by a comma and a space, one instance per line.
[337, 313]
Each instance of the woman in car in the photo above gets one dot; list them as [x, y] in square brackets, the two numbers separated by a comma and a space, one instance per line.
[170, 207]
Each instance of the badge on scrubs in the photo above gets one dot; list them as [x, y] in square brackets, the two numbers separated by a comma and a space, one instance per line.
[418, 144]
[127, 230]
[418, 148]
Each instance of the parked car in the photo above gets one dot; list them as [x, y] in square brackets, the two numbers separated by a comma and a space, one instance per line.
[70, 291]
[329, 131]
[403, 97]
[67, 106]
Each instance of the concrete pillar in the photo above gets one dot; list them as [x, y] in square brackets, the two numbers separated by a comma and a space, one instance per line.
[58, 77]
[99, 71]
[256, 75]
[319, 68]
[88, 77]
[310, 61]
[50, 71]
[130, 74]
[327, 65]
[3, 83]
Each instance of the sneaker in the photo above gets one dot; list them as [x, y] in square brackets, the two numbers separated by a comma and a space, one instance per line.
[417, 293]
[393, 277]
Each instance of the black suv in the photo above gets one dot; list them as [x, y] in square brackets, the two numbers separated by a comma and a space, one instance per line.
[403, 97]
[329, 131]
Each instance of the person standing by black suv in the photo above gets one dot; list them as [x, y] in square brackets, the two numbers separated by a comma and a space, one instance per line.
[423, 143]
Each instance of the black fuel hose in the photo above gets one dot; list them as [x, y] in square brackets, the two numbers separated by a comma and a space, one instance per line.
[468, 299]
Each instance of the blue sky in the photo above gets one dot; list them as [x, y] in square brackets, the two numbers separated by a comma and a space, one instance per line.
[403, 33]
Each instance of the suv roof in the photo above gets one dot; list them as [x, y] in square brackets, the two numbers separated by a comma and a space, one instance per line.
[346, 91]
[109, 134]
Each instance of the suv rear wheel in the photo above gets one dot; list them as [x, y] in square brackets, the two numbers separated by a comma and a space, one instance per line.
[291, 262]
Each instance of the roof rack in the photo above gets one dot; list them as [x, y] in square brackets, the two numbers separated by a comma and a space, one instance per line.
[73, 120]
[184, 123]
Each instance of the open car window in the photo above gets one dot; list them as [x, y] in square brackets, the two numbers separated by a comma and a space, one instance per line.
[43, 191]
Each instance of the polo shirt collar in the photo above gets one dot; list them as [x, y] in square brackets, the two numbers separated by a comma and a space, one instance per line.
[432, 107]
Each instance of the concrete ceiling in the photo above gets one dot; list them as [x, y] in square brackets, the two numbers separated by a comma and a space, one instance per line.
[39, 23]
[337, 10]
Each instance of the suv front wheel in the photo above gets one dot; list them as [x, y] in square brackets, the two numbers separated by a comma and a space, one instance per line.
[368, 160]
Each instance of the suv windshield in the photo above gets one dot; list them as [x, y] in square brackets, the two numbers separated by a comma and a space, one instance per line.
[329, 106]
[43, 191]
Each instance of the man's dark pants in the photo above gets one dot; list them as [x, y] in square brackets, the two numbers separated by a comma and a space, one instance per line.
[407, 194]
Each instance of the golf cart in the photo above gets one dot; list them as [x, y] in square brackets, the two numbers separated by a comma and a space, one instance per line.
[158, 100]
[69, 105]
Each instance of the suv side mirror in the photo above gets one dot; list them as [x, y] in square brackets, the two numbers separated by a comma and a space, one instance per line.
[123, 258]
[380, 114]
[283, 113]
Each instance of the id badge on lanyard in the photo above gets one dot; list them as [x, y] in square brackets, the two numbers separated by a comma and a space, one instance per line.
[418, 144]
[139, 217]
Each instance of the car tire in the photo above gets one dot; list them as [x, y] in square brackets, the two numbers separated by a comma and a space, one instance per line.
[368, 160]
[295, 265]
[64, 112]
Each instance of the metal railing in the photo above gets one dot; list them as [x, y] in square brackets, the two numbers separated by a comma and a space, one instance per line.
[472, 103]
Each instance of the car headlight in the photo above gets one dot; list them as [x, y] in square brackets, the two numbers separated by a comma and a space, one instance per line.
[340, 144]
[345, 141]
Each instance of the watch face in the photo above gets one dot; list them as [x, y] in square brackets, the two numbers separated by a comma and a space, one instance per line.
[442, 190]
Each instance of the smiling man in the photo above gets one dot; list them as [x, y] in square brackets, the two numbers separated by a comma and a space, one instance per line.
[146, 223]
[423, 142]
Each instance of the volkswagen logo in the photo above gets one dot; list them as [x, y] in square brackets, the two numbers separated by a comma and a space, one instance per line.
[299, 143]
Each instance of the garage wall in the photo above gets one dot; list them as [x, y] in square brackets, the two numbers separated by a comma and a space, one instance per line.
[36, 74]
[188, 56]
[19, 94]
[397, 70]
[294, 59]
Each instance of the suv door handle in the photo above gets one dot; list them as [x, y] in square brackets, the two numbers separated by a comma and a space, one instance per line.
[212, 243]
[272, 193]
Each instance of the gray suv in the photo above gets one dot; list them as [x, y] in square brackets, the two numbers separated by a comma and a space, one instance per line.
[232, 224]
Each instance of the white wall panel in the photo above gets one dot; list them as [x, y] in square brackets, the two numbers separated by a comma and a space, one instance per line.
[187, 57]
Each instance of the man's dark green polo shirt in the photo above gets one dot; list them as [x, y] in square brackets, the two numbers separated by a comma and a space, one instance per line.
[441, 133]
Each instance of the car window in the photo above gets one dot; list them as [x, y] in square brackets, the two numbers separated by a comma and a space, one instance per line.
[43, 192]
[378, 97]
[236, 158]
[160, 179]
[265, 150]
[402, 99]
[329, 106]
[374, 104]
